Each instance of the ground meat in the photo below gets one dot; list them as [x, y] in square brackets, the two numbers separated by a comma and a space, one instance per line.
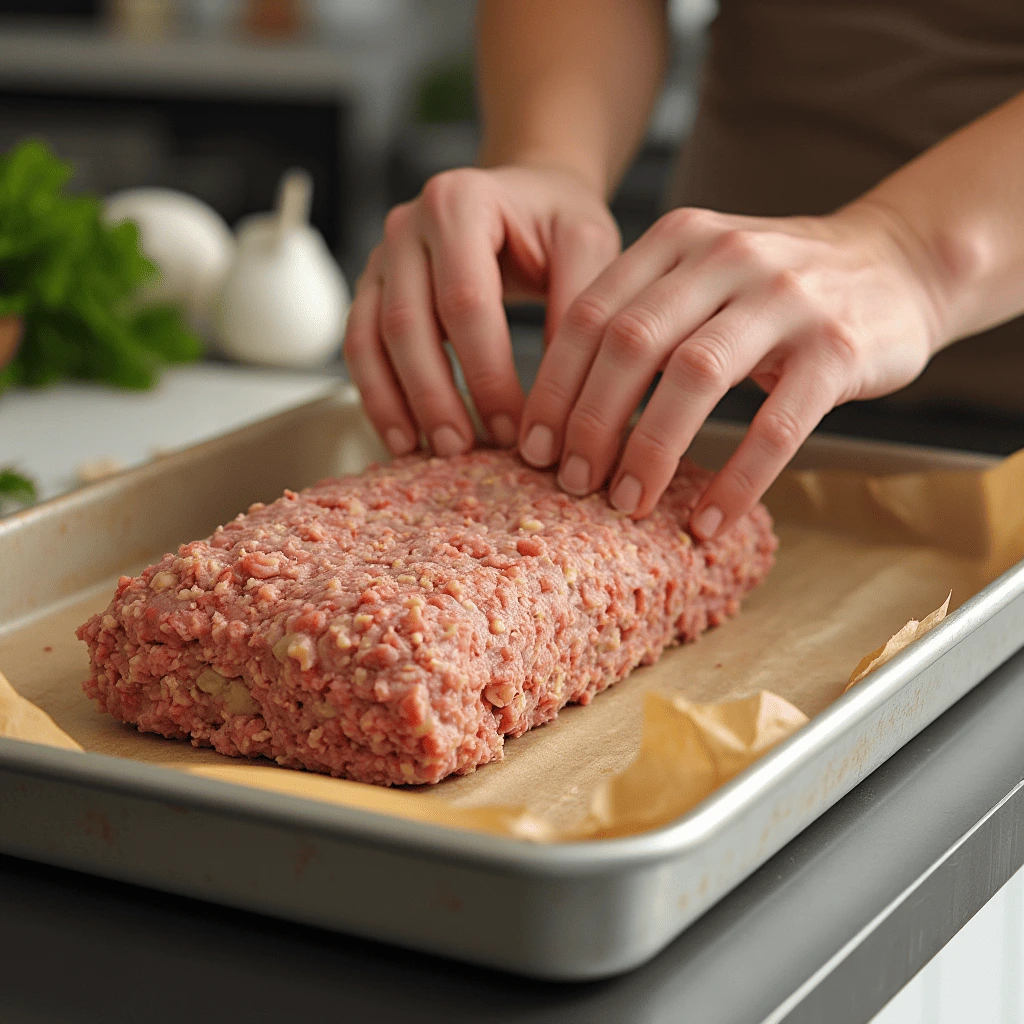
[394, 627]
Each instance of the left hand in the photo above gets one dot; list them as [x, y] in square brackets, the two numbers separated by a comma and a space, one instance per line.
[817, 310]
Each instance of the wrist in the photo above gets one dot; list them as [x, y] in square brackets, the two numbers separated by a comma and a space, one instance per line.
[928, 262]
[572, 162]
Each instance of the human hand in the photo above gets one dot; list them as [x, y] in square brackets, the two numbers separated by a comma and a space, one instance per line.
[448, 258]
[818, 311]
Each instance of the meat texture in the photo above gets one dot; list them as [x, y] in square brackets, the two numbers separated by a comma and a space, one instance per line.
[394, 627]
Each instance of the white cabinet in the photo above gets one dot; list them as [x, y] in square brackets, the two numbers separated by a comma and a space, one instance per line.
[978, 977]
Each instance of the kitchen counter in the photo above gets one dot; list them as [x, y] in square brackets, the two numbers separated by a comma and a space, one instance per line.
[828, 930]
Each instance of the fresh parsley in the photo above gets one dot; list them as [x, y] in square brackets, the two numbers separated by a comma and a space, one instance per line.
[72, 279]
[15, 489]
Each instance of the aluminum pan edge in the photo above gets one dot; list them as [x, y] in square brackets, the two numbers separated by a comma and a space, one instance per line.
[729, 803]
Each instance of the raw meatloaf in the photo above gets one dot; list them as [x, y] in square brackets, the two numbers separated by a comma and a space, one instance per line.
[394, 627]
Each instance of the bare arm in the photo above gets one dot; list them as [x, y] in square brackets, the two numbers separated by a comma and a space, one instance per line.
[959, 211]
[569, 83]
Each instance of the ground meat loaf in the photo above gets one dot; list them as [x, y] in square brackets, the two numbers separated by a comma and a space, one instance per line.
[394, 627]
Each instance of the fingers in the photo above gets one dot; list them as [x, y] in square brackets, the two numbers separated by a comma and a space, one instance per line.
[580, 251]
[568, 358]
[413, 341]
[370, 367]
[698, 373]
[468, 293]
[673, 240]
[806, 391]
[635, 345]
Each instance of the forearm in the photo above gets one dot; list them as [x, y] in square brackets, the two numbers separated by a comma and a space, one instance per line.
[569, 83]
[958, 211]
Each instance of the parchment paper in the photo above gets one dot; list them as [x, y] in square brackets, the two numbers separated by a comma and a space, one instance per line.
[859, 556]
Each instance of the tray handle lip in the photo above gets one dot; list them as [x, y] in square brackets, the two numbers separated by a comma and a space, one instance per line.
[602, 857]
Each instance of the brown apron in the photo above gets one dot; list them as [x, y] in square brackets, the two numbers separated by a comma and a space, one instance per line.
[805, 104]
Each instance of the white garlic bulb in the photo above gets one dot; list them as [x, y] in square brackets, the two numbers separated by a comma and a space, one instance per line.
[285, 301]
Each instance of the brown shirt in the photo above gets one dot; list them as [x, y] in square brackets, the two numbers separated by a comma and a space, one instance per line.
[805, 104]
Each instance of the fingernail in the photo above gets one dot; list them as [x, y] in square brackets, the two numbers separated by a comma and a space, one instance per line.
[503, 430]
[446, 441]
[539, 447]
[706, 522]
[398, 441]
[575, 475]
[626, 496]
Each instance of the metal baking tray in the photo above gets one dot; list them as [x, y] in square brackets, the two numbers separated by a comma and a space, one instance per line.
[560, 911]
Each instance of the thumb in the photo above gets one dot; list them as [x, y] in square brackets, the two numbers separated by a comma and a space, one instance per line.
[580, 250]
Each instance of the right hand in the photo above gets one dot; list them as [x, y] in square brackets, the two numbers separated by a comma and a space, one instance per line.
[448, 259]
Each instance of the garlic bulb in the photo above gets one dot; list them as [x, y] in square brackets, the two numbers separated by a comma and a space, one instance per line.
[285, 301]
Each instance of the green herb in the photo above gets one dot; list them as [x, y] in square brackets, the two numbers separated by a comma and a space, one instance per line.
[72, 279]
[15, 488]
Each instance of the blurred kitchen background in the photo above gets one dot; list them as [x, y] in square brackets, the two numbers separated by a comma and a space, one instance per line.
[218, 97]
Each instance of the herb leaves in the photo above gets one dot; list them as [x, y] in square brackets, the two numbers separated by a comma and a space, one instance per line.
[71, 279]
